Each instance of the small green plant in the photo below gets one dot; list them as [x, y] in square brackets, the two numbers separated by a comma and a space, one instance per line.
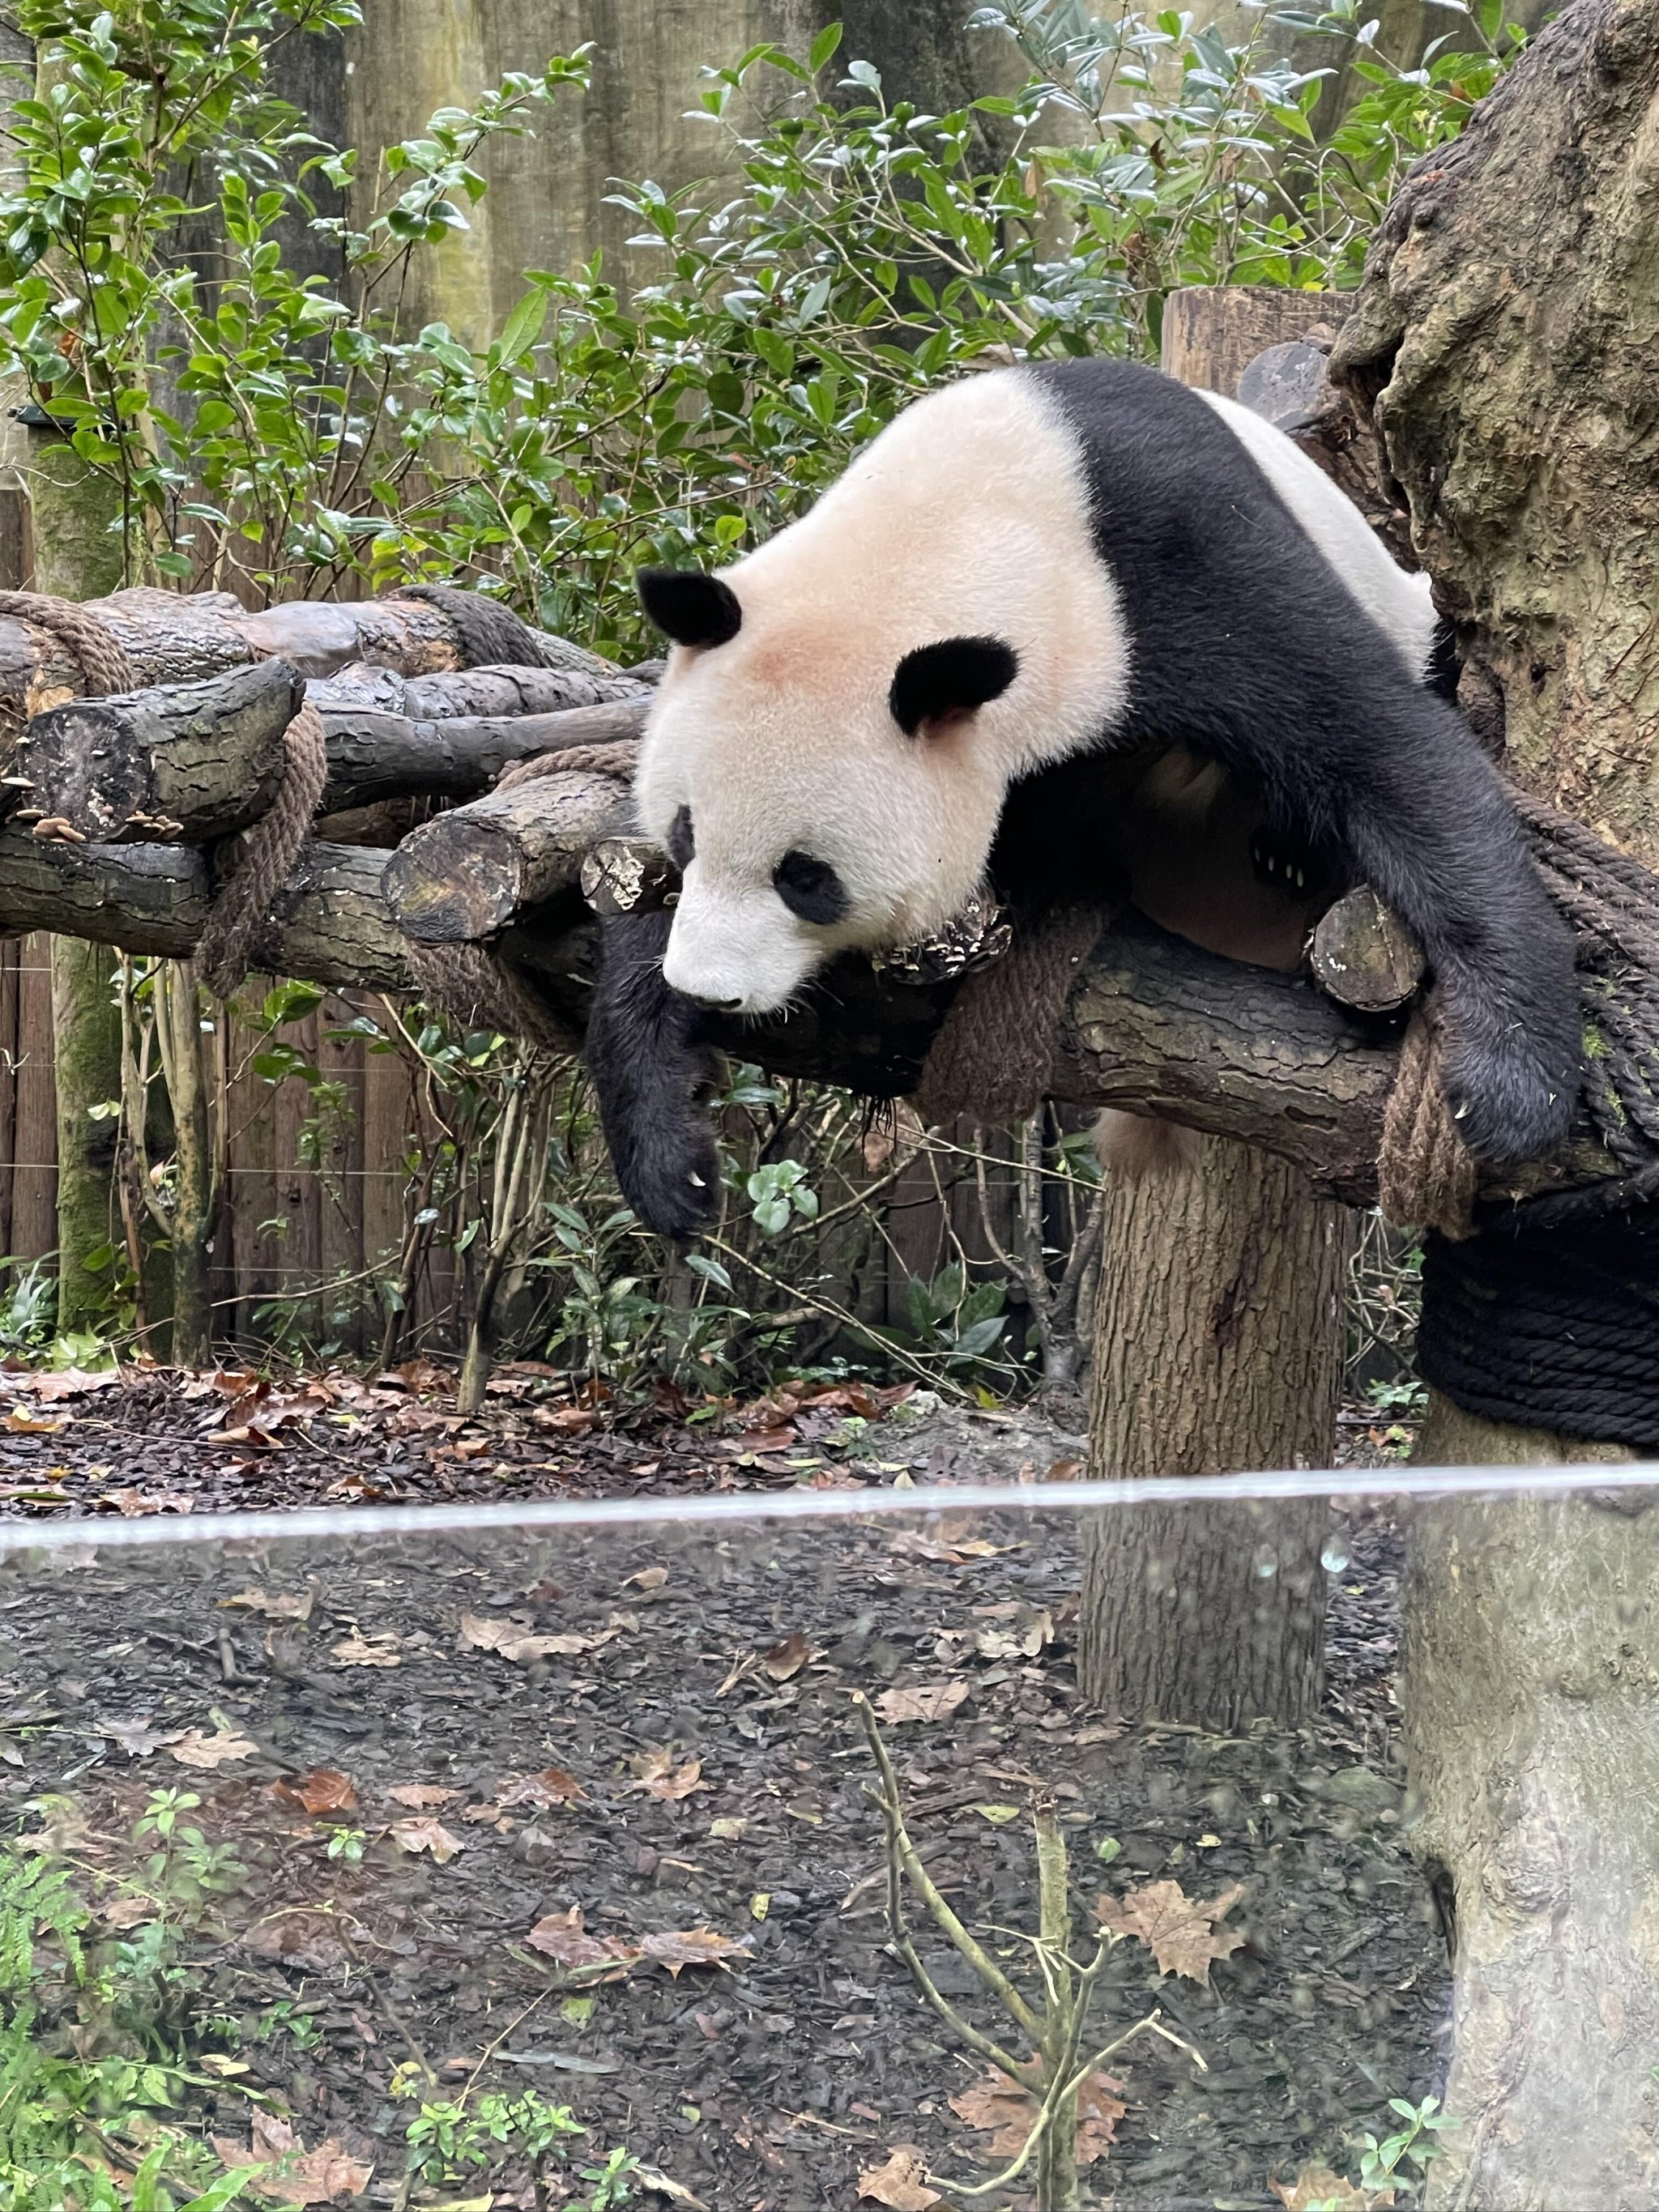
[960, 1324]
[1382, 2164]
[451, 2142]
[347, 1843]
[184, 1870]
[284, 2018]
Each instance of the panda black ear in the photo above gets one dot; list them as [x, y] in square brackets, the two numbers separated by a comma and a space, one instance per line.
[689, 607]
[937, 682]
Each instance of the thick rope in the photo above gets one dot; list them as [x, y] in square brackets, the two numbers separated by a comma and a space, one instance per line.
[1549, 1327]
[104, 666]
[271, 851]
[618, 757]
[993, 1057]
[478, 989]
[1425, 1174]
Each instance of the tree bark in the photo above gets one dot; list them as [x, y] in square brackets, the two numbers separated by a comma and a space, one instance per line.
[469, 873]
[1504, 341]
[1217, 1346]
[1218, 1333]
[77, 554]
[191, 763]
[191, 760]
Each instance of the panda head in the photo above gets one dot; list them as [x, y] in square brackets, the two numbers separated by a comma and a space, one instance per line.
[820, 791]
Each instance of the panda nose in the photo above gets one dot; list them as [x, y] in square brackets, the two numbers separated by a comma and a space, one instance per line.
[720, 1005]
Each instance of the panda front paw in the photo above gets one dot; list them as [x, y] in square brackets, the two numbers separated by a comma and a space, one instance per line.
[670, 1174]
[1512, 1101]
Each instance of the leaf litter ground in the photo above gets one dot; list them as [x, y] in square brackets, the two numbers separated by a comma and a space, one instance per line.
[623, 1770]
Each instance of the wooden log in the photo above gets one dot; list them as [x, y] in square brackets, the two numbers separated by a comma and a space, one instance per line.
[195, 762]
[187, 761]
[374, 756]
[172, 638]
[1363, 956]
[470, 692]
[1154, 1025]
[467, 874]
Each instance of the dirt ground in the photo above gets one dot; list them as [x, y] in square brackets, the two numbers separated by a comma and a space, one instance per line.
[609, 1791]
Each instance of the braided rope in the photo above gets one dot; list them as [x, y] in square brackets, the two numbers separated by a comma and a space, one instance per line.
[993, 1055]
[271, 850]
[479, 989]
[105, 667]
[617, 756]
[1425, 1174]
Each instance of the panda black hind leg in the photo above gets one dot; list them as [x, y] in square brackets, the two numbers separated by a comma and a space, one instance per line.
[650, 1073]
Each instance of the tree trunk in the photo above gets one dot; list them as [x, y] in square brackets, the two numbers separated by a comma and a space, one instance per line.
[1218, 1336]
[77, 556]
[1217, 1346]
[1504, 341]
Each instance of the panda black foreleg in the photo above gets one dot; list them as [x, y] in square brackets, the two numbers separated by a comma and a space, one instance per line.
[650, 1072]
[1430, 827]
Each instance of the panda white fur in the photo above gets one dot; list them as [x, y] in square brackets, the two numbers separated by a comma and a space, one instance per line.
[937, 674]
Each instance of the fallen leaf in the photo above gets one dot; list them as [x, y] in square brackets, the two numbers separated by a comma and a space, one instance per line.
[659, 1777]
[656, 2183]
[133, 1504]
[192, 1748]
[1022, 1639]
[1316, 2189]
[420, 1795]
[562, 1937]
[323, 1790]
[648, 1578]
[1179, 1931]
[299, 1939]
[692, 1946]
[136, 1738]
[357, 1650]
[130, 1912]
[552, 1786]
[301, 2177]
[31, 1425]
[727, 1831]
[48, 1385]
[927, 1701]
[997, 2104]
[997, 1816]
[901, 2183]
[426, 1835]
[511, 1639]
[277, 1604]
[787, 1658]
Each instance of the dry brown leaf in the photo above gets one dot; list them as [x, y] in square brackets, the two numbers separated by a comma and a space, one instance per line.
[562, 1937]
[926, 1701]
[511, 1639]
[130, 1912]
[133, 1504]
[192, 1748]
[379, 1649]
[1316, 2189]
[420, 1795]
[299, 1939]
[1179, 1931]
[325, 1789]
[692, 1946]
[426, 1835]
[31, 1425]
[278, 1605]
[659, 1777]
[787, 1658]
[301, 2177]
[648, 1578]
[49, 1385]
[136, 1738]
[996, 2102]
[1022, 1639]
[552, 1786]
[901, 2183]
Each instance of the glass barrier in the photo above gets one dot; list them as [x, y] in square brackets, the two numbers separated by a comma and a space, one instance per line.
[713, 1851]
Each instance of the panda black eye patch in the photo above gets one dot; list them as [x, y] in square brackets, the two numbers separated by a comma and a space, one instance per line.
[681, 845]
[811, 889]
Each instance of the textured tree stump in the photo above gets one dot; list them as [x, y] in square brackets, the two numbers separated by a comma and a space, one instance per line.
[1504, 341]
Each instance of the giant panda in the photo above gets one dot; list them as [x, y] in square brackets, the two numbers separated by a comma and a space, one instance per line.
[938, 677]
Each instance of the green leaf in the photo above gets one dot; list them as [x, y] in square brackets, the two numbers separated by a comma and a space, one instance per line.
[825, 46]
[522, 327]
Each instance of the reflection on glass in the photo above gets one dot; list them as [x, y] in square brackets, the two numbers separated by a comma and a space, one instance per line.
[711, 1856]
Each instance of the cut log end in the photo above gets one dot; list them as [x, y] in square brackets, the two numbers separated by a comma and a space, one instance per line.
[473, 892]
[1363, 956]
